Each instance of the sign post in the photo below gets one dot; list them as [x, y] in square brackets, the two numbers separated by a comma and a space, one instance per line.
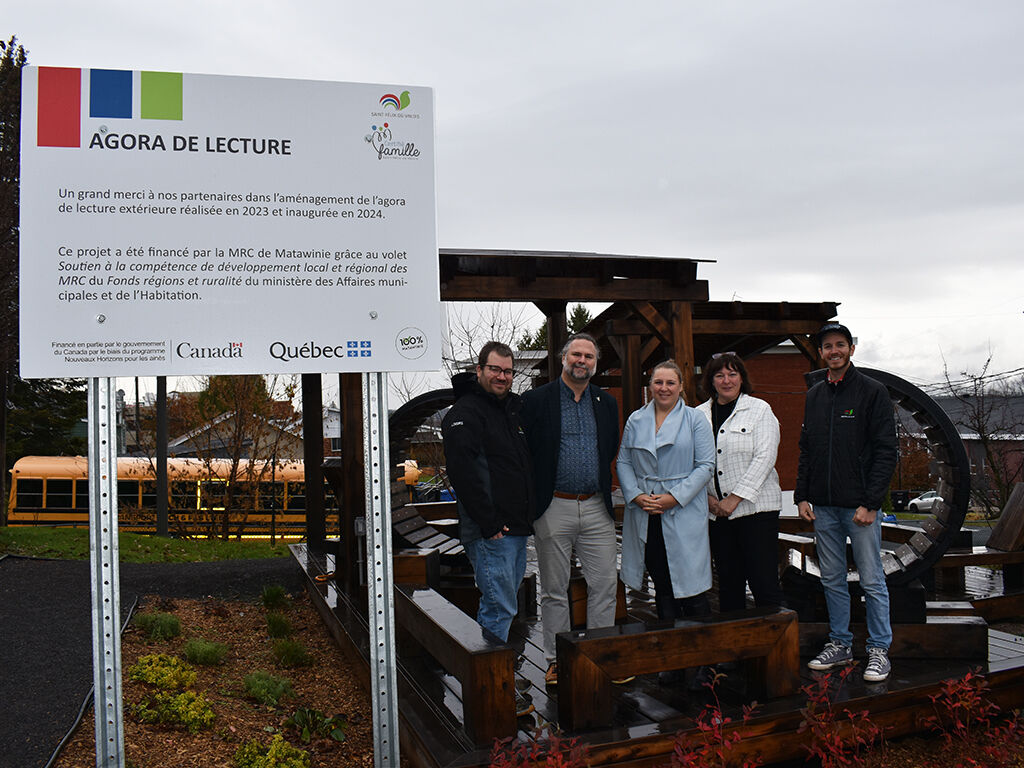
[176, 224]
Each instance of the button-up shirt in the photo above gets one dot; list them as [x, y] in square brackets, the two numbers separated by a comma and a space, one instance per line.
[577, 453]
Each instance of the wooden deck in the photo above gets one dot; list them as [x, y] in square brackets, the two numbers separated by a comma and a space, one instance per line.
[646, 716]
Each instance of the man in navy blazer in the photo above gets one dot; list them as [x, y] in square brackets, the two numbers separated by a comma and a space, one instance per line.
[572, 428]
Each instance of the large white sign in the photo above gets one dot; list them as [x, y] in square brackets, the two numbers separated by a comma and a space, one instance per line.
[192, 224]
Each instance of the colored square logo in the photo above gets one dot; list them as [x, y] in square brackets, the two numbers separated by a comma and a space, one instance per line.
[110, 93]
[364, 344]
[352, 353]
[161, 95]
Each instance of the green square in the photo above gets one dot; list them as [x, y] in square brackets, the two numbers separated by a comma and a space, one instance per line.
[161, 95]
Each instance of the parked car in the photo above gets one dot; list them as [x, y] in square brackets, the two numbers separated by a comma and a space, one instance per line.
[924, 502]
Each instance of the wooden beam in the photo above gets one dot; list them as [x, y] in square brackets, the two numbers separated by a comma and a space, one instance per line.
[490, 288]
[807, 349]
[750, 326]
[657, 324]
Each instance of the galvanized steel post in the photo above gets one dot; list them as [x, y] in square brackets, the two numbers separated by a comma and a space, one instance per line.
[383, 669]
[106, 591]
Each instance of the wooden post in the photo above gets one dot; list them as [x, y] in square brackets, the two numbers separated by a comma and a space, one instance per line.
[353, 501]
[554, 311]
[313, 456]
[682, 347]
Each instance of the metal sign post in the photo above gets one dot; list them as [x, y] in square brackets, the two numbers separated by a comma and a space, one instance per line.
[106, 590]
[383, 677]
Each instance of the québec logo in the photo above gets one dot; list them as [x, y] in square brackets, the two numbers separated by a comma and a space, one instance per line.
[232, 349]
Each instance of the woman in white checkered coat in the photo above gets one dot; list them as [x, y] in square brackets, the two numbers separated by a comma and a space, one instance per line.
[744, 497]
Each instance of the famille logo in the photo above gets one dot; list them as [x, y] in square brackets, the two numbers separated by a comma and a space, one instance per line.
[390, 101]
[847, 414]
[382, 140]
[61, 106]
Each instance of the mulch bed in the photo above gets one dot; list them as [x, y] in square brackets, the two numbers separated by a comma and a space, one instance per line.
[46, 635]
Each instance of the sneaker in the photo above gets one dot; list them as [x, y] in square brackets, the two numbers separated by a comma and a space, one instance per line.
[834, 655]
[878, 667]
[551, 676]
[524, 705]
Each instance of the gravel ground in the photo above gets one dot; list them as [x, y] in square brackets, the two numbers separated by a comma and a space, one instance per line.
[46, 635]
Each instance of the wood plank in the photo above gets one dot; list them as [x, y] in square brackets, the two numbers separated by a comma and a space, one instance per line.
[941, 637]
[576, 288]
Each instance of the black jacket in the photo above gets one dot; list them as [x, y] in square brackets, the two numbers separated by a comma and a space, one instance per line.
[542, 421]
[488, 460]
[848, 443]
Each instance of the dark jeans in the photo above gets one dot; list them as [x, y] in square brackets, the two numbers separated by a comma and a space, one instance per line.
[745, 550]
[656, 560]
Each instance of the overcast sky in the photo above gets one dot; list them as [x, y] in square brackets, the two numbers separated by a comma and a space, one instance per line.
[868, 153]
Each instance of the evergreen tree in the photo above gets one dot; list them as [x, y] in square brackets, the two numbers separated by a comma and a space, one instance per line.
[578, 319]
[43, 414]
[12, 59]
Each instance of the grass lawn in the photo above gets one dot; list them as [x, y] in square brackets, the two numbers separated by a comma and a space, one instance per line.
[73, 544]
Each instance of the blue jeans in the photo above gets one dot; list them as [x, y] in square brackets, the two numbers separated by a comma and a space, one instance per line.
[499, 566]
[832, 526]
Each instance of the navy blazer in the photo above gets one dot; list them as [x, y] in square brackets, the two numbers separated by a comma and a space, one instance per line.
[541, 417]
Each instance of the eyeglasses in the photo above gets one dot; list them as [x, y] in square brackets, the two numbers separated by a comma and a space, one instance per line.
[723, 354]
[499, 371]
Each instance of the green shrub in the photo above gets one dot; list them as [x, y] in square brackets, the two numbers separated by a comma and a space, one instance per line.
[167, 672]
[313, 722]
[159, 626]
[290, 653]
[267, 688]
[200, 651]
[188, 708]
[274, 598]
[278, 754]
[278, 625]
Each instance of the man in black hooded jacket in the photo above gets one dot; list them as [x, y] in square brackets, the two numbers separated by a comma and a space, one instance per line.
[488, 463]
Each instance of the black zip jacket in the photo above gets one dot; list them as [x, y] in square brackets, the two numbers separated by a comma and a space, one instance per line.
[847, 444]
[488, 460]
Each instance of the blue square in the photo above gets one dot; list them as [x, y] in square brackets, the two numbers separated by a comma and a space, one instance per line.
[364, 344]
[365, 353]
[352, 353]
[110, 93]
[351, 344]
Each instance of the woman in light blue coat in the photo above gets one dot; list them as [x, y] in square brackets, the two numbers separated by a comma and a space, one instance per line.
[665, 461]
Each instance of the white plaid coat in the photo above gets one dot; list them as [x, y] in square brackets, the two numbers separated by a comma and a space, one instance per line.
[746, 447]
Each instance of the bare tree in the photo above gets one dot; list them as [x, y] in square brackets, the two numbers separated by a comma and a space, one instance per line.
[989, 408]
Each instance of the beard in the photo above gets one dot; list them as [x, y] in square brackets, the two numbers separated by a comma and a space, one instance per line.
[580, 372]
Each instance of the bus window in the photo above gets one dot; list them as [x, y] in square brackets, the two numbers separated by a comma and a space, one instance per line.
[183, 494]
[127, 494]
[82, 493]
[212, 494]
[296, 497]
[30, 494]
[58, 494]
[272, 497]
[149, 494]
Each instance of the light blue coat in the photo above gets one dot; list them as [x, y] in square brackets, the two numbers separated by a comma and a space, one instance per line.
[676, 459]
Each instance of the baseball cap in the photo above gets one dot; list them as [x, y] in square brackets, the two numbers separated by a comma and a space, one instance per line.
[828, 328]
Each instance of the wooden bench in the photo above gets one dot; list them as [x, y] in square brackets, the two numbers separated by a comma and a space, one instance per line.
[949, 571]
[483, 665]
[589, 660]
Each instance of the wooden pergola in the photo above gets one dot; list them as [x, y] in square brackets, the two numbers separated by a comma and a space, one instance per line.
[659, 309]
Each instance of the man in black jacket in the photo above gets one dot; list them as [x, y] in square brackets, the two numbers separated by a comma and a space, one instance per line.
[847, 456]
[573, 430]
[488, 463]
